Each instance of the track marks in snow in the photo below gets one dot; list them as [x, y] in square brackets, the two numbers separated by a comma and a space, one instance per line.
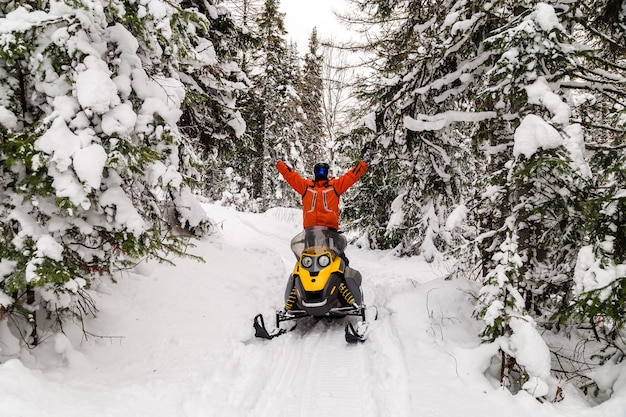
[336, 376]
[388, 368]
[314, 372]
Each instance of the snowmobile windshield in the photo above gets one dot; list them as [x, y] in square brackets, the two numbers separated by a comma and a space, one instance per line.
[318, 236]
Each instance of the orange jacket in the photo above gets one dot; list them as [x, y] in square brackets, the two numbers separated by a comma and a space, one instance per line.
[320, 199]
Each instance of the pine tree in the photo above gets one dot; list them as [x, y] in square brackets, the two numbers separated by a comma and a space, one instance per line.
[511, 79]
[599, 287]
[418, 147]
[93, 163]
[210, 116]
[568, 217]
[310, 90]
[272, 109]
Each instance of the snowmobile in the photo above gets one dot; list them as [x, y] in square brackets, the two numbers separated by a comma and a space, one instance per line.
[322, 285]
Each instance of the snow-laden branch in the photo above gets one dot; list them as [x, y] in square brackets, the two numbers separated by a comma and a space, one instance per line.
[424, 122]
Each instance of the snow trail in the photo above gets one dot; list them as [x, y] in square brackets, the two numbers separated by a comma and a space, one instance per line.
[314, 372]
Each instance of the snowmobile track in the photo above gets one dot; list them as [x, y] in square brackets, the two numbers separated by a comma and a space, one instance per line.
[316, 373]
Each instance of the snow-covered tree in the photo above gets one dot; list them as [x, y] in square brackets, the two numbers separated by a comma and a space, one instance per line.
[210, 116]
[486, 108]
[94, 166]
[566, 212]
[600, 106]
[271, 108]
[540, 170]
[245, 14]
[310, 90]
[412, 96]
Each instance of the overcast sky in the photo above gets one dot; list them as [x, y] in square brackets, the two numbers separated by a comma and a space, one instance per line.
[302, 15]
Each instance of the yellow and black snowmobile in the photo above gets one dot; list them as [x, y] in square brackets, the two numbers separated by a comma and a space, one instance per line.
[321, 285]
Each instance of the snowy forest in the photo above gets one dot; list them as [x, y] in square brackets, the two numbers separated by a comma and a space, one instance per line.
[497, 130]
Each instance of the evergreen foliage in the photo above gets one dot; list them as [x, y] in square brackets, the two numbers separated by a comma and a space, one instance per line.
[411, 86]
[541, 190]
[271, 109]
[210, 117]
[95, 172]
[598, 288]
[310, 90]
[498, 113]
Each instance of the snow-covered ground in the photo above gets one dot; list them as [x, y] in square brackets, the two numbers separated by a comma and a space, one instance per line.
[178, 341]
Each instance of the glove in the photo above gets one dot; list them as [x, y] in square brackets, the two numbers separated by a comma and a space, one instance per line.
[367, 157]
[274, 156]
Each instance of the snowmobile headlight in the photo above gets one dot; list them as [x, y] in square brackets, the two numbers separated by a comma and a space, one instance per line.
[324, 261]
[306, 261]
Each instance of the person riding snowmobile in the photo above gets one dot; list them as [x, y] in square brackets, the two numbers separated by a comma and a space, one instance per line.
[320, 196]
[320, 202]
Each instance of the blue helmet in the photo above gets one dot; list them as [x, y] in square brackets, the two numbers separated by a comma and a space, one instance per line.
[321, 171]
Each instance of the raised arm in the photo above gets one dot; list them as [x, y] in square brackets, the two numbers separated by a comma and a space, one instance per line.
[349, 178]
[294, 179]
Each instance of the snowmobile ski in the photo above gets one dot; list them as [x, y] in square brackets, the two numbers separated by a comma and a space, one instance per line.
[261, 331]
[358, 334]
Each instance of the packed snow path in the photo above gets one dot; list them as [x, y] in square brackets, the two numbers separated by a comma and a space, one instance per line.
[177, 341]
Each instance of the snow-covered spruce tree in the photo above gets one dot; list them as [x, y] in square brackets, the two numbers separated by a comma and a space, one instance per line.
[535, 172]
[599, 282]
[600, 275]
[551, 197]
[310, 89]
[210, 116]
[580, 274]
[511, 70]
[92, 160]
[271, 109]
[245, 13]
[414, 100]
[230, 174]
[367, 204]
[494, 69]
